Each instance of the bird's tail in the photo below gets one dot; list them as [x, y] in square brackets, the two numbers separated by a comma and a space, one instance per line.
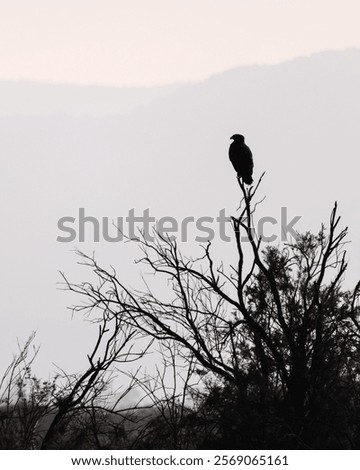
[247, 179]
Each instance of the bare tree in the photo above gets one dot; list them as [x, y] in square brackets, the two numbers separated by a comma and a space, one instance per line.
[88, 392]
[277, 320]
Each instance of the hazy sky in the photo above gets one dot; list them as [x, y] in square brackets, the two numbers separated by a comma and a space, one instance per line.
[148, 42]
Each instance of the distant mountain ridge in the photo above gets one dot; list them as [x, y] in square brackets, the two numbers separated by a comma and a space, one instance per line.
[28, 98]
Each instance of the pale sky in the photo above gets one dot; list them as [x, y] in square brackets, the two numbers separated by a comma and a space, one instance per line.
[153, 42]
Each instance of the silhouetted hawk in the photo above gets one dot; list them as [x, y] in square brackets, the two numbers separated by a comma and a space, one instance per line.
[241, 157]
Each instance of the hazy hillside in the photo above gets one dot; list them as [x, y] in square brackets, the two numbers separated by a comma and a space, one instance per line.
[301, 119]
[40, 99]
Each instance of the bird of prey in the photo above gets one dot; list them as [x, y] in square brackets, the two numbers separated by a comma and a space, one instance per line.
[241, 157]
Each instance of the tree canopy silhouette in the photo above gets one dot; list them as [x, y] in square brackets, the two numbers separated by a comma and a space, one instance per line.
[263, 353]
[278, 341]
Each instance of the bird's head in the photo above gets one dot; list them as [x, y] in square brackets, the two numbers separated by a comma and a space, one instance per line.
[237, 138]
